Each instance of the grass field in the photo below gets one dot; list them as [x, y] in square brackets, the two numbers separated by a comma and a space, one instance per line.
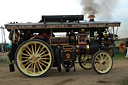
[124, 82]
[118, 56]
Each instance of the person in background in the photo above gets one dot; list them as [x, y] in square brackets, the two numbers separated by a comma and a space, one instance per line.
[126, 44]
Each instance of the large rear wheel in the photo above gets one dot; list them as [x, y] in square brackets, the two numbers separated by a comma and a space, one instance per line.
[34, 58]
[102, 62]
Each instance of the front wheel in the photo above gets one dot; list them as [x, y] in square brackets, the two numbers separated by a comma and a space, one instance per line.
[34, 58]
[102, 62]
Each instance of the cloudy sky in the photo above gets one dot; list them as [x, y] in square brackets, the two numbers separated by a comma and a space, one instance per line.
[31, 11]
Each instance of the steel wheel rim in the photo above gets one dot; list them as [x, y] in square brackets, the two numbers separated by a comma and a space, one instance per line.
[86, 64]
[103, 62]
[34, 58]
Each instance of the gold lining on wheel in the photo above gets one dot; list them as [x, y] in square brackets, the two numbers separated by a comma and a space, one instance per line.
[34, 58]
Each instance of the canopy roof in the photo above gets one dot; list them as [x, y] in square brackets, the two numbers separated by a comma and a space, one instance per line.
[55, 25]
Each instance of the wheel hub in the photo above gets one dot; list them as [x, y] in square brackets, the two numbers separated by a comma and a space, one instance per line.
[34, 58]
[102, 62]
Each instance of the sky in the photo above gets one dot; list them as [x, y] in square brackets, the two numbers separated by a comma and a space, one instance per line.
[32, 10]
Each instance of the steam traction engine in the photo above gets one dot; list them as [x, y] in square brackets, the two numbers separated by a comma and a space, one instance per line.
[36, 47]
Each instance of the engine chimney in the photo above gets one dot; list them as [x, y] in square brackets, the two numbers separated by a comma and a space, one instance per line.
[91, 18]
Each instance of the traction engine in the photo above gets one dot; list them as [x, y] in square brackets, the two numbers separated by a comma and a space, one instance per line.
[36, 47]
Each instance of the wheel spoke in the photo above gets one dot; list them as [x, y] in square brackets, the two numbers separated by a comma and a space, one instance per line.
[40, 66]
[98, 58]
[37, 67]
[105, 58]
[45, 55]
[104, 67]
[44, 61]
[100, 67]
[101, 56]
[29, 50]
[43, 52]
[24, 61]
[41, 49]
[25, 54]
[97, 61]
[24, 57]
[32, 49]
[28, 66]
[43, 64]
[38, 49]
[35, 48]
[34, 68]
[45, 58]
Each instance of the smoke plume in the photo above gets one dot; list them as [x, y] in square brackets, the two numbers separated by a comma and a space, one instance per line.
[102, 8]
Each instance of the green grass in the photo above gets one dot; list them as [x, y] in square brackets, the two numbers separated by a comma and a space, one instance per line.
[4, 63]
[118, 56]
[124, 82]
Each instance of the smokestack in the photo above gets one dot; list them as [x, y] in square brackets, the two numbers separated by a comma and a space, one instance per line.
[91, 18]
[103, 8]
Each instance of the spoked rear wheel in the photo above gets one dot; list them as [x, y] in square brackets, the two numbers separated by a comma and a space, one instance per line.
[34, 58]
[102, 62]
